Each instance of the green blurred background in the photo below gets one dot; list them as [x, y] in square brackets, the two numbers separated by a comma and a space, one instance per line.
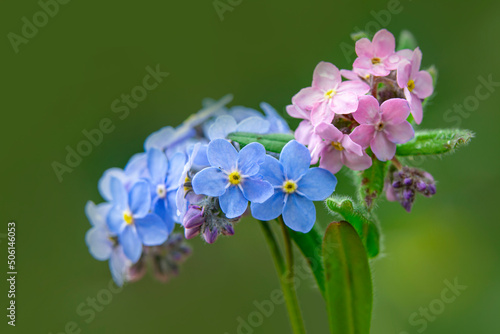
[66, 77]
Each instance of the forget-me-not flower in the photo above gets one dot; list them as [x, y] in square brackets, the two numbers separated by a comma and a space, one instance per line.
[296, 186]
[234, 177]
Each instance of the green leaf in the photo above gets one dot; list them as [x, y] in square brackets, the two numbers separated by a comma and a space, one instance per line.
[272, 142]
[356, 36]
[435, 142]
[370, 182]
[406, 41]
[356, 216]
[310, 246]
[348, 285]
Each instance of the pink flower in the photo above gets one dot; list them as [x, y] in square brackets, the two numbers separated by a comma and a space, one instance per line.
[355, 74]
[382, 127]
[338, 149]
[296, 112]
[328, 95]
[417, 84]
[306, 135]
[379, 56]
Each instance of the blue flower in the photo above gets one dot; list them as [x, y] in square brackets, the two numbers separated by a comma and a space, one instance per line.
[226, 124]
[278, 124]
[103, 244]
[164, 175]
[234, 177]
[130, 220]
[295, 188]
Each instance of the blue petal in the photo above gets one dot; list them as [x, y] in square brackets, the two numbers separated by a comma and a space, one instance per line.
[233, 203]
[97, 214]
[115, 220]
[140, 199]
[175, 169]
[118, 265]
[254, 125]
[240, 113]
[317, 184]
[295, 159]
[201, 157]
[222, 154]
[136, 166]
[104, 184]
[131, 243]
[152, 230]
[210, 181]
[163, 211]
[256, 190]
[171, 206]
[272, 171]
[270, 209]
[278, 124]
[299, 213]
[222, 126]
[250, 158]
[159, 139]
[97, 239]
[157, 166]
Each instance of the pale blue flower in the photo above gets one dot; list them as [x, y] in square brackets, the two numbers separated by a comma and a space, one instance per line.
[226, 124]
[296, 186]
[234, 177]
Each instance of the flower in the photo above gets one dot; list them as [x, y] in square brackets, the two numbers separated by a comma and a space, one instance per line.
[130, 220]
[378, 56]
[103, 245]
[164, 175]
[226, 124]
[417, 84]
[382, 127]
[185, 194]
[234, 177]
[329, 95]
[295, 188]
[338, 149]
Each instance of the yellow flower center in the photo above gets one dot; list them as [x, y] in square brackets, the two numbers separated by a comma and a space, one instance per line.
[127, 216]
[376, 61]
[235, 178]
[161, 191]
[330, 93]
[289, 186]
[338, 146]
[411, 85]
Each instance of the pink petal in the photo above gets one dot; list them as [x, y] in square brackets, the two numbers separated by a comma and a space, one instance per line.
[399, 133]
[392, 62]
[307, 98]
[350, 75]
[344, 103]
[362, 63]
[356, 162]
[329, 132]
[322, 113]
[304, 132]
[384, 43]
[363, 135]
[296, 112]
[395, 111]
[380, 70]
[368, 110]
[423, 85]
[316, 145]
[416, 108]
[364, 48]
[390, 193]
[405, 54]
[382, 147]
[350, 146]
[331, 159]
[416, 59]
[357, 87]
[326, 76]
[403, 74]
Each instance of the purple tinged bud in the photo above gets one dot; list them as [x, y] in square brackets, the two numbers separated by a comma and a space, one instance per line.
[431, 188]
[407, 181]
[408, 194]
[138, 270]
[228, 230]
[210, 236]
[396, 184]
[190, 233]
[193, 217]
[421, 186]
[407, 204]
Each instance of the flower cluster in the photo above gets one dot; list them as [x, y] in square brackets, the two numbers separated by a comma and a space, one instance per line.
[370, 109]
[194, 177]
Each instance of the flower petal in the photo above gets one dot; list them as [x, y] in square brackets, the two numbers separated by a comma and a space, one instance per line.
[416, 60]
[331, 159]
[119, 265]
[403, 74]
[115, 220]
[222, 154]
[350, 146]
[296, 112]
[131, 243]
[250, 158]
[104, 184]
[151, 230]
[157, 165]
[210, 181]
[254, 125]
[326, 76]
[222, 126]
[356, 162]
[307, 98]
[272, 171]
[175, 171]
[382, 147]
[364, 48]
[368, 110]
[118, 193]
[329, 132]
[423, 85]
[270, 209]
[399, 133]
[162, 210]
[317, 184]
[384, 43]
[416, 109]
[256, 190]
[139, 199]
[97, 214]
[322, 113]
[363, 135]
[233, 203]
[395, 111]
[100, 246]
[357, 87]
[299, 213]
[295, 159]
[345, 103]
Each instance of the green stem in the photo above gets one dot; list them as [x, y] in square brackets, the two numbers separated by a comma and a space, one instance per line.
[286, 274]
